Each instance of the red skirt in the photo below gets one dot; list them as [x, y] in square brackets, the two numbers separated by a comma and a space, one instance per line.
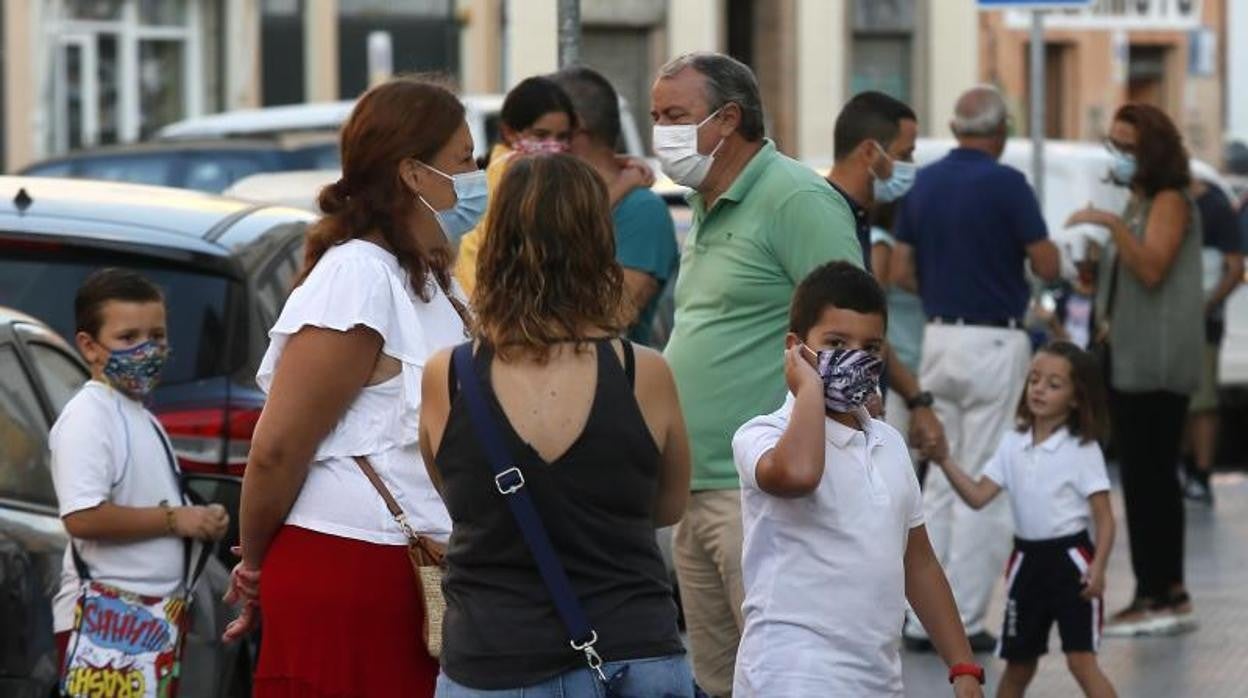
[340, 618]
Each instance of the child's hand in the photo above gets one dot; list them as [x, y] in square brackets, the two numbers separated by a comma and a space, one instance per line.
[967, 687]
[799, 374]
[1093, 585]
[201, 523]
[938, 452]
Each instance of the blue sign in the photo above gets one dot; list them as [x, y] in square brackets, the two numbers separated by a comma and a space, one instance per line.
[1033, 4]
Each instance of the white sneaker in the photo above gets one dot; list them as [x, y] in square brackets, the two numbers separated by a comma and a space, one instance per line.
[1139, 620]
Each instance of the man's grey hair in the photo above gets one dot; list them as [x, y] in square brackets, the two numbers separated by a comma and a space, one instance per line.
[727, 80]
[980, 111]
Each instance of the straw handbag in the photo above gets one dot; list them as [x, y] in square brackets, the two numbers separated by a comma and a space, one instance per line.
[428, 561]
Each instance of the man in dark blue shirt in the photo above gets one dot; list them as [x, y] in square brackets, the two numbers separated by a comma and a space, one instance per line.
[964, 233]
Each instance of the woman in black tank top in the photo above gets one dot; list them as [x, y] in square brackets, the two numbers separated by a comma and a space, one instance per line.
[593, 425]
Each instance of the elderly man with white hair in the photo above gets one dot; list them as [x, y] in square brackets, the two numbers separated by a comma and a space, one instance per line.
[965, 233]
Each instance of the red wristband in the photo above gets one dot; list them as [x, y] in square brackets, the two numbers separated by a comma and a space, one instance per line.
[966, 669]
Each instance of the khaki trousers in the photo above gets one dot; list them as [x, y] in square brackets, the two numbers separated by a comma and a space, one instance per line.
[707, 553]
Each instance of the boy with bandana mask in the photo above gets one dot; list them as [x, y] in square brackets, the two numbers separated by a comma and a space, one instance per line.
[834, 538]
[112, 465]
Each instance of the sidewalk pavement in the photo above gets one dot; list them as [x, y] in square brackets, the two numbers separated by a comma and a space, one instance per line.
[1211, 662]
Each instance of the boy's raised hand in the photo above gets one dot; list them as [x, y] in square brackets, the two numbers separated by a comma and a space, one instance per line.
[207, 523]
[799, 374]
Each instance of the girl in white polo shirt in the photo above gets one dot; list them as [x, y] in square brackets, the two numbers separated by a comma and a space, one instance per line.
[1053, 469]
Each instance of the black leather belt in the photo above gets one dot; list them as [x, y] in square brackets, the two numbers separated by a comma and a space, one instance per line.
[1007, 323]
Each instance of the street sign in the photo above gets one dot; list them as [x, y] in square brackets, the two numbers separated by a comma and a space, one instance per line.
[1033, 4]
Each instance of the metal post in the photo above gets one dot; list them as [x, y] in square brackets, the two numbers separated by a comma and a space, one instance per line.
[569, 32]
[1036, 118]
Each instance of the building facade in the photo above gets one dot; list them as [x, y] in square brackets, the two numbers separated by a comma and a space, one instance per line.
[79, 73]
[1169, 53]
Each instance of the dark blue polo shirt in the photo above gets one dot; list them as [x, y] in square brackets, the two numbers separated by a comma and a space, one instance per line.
[862, 223]
[970, 220]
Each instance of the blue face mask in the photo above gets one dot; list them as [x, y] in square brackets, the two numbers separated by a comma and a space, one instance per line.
[471, 196]
[896, 186]
[1122, 169]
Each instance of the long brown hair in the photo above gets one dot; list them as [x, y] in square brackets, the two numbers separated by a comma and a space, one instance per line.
[547, 269]
[1161, 160]
[1088, 421]
[400, 119]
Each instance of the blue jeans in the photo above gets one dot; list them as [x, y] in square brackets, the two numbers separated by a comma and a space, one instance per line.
[655, 677]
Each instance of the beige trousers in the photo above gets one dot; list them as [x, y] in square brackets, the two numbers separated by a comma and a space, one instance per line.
[976, 375]
[707, 553]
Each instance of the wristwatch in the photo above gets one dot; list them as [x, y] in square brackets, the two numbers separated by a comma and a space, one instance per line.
[923, 399]
[966, 669]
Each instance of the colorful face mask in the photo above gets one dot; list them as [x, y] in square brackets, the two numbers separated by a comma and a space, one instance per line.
[532, 146]
[850, 376]
[136, 371]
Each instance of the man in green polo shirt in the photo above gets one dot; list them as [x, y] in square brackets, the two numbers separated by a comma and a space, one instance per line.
[761, 222]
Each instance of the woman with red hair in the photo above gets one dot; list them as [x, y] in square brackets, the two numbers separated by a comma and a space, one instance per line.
[340, 601]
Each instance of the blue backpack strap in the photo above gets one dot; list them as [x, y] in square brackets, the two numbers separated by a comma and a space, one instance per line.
[510, 483]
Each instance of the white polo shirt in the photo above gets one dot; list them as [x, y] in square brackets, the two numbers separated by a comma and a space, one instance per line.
[1049, 484]
[824, 574]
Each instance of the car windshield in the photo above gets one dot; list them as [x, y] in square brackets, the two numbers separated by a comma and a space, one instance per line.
[197, 305]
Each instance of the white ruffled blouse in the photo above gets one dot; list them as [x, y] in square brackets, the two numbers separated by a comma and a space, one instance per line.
[360, 283]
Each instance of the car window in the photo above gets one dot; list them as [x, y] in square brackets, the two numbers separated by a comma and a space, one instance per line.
[213, 172]
[60, 375]
[198, 303]
[24, 474]
[63, 168]
[153, 168]
[324, 156]
[275, 281]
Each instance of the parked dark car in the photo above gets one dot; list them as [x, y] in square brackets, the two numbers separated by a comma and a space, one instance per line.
[39, 373]
[225, 267]
[202, 165]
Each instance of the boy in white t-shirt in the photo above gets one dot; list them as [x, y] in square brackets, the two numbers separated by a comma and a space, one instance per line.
[834, 537]
[115, 478]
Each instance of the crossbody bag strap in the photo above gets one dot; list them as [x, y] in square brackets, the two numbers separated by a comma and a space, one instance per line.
[392, 505]
[190, 574]
[510, 483]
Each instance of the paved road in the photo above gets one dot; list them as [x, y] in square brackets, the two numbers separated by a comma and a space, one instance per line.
[1211, 662]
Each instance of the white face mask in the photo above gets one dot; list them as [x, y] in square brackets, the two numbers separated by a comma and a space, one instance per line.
[676, 147]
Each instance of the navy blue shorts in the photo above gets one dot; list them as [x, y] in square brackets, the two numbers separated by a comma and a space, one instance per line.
[1043, 581]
